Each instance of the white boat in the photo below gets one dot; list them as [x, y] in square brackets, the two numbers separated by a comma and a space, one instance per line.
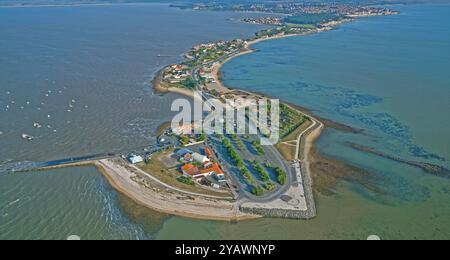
[27, 137]
[37, 125]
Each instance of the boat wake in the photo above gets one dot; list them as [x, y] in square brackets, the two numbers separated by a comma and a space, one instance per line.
[11, 167]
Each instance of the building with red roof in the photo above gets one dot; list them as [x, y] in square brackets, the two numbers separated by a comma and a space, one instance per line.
[190, 170]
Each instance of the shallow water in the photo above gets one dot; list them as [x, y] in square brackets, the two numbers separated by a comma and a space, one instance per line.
[388, 76]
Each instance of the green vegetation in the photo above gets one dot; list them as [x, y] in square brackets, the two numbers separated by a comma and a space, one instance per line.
[282, 175]
[306, 18]
[237, 160]
[238, 141]
[247, 175]
[258, 148]
[261, 171]
[258, 191]
[186, 180]
[269, 33]
[269, 186]
[185, 139]
[287, 150]
[197, 164]
[303, 27]
[214, 92]
[189, 83]
[202, 137]
[290, 120]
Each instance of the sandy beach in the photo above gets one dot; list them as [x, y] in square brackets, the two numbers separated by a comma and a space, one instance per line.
[154, 196]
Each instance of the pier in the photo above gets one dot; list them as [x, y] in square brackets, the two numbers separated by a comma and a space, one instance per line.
[27, 166]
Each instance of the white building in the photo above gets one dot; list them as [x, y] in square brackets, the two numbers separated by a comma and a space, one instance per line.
[200, 158]
[134, 159]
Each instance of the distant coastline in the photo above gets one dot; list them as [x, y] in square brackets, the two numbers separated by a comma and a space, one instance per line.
[147, 190]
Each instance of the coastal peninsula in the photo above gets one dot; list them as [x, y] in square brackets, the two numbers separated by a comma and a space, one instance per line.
[290, 193]
[229, 177]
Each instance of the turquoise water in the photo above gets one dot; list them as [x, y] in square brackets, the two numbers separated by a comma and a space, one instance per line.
[389, 76]
[386, 75]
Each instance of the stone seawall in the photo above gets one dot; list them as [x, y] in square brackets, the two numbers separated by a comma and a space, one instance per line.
[278, 213]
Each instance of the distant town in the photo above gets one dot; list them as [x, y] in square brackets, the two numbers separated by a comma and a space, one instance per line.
[291, 8]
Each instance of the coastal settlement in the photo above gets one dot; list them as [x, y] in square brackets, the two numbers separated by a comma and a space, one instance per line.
[231, 177]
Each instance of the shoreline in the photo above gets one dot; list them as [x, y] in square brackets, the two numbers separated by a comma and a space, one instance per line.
[167, 201]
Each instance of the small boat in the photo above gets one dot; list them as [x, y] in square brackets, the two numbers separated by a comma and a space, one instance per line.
[37, 125]
[27, 137]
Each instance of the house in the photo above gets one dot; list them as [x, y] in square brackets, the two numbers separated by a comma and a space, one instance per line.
[193, 171]
[134, 159]
[190, 170]
[200, 158]
[214, 169]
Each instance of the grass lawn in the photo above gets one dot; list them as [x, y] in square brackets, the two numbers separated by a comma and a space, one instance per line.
[294, 135]
[287, 151]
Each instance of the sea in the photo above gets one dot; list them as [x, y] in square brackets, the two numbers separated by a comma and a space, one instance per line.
[83, 73]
